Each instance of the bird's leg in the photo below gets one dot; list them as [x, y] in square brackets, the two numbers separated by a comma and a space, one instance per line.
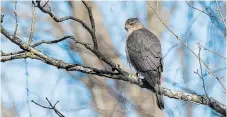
[133, 76]
[137, 76]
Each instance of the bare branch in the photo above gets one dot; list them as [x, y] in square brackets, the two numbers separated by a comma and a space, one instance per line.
[46, 3]
[38, 44]
[65, 18]
[69, 67]
[53, 41]
[201, 71]
[19, 56]
[202, 11]
[102, 57]
[217, 70]
[41, 105]
[223, 19]
[188, 48]
[211, 51]
[91, 31]
[33, 25]
[92, 24]
[95, 51]
[15, 13]
[51, 107]
[200, 99]
[52, 61]
[56, 111]
[90, 15]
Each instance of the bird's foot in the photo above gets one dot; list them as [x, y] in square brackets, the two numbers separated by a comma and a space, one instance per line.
[136, 76]
[139, 76]
[133, 75]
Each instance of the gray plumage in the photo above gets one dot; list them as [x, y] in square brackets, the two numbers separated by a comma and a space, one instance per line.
[143, 50]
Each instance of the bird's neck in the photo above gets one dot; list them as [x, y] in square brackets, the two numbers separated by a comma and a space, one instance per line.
[134, 29]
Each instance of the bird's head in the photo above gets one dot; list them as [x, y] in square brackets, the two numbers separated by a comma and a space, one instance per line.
[132, 24]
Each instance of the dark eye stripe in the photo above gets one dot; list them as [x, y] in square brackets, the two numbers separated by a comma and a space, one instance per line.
[133, 22]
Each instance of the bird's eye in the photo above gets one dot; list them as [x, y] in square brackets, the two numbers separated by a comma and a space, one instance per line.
[126, 29]
[130, 23]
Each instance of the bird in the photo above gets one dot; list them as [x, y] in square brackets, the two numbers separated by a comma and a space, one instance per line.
[144, 53]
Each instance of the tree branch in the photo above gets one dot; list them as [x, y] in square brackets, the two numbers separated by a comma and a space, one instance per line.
[33, 25]
[52, 107]
[95, 51]
[201, 72]
[19, 56]
[202, 11]
[211, 51]
[15, 13]
[200, 99]
[92, 24]
[219, 10]
[38, 44]
[92, 32]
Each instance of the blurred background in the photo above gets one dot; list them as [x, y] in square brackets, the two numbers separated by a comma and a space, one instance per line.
[82, 95]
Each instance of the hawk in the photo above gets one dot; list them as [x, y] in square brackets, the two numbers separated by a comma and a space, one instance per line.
[144, 53]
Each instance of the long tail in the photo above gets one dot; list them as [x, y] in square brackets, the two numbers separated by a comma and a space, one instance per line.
[159, 96]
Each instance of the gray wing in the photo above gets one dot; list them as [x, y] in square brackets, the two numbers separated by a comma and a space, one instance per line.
[144, 53]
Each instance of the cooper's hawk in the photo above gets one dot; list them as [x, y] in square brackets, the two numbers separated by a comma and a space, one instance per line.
[144, 53]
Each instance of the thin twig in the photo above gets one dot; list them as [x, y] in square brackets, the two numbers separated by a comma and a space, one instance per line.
[38, 44]
[56, 103]
[64, 18]
[217, 70]
[201, 71]
[92, 24]
[56, 110]
[202, 11]
[211, 51]
[15, 13]
[90, 15]
[46, 3]
[41, 105]
[32, 25]
[52, 41]
[219, 10]
[51, 107]
[189, 48]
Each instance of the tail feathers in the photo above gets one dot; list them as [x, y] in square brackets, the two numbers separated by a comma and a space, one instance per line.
[159, 96]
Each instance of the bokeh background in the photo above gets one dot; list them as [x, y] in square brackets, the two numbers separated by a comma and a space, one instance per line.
[82, 95]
